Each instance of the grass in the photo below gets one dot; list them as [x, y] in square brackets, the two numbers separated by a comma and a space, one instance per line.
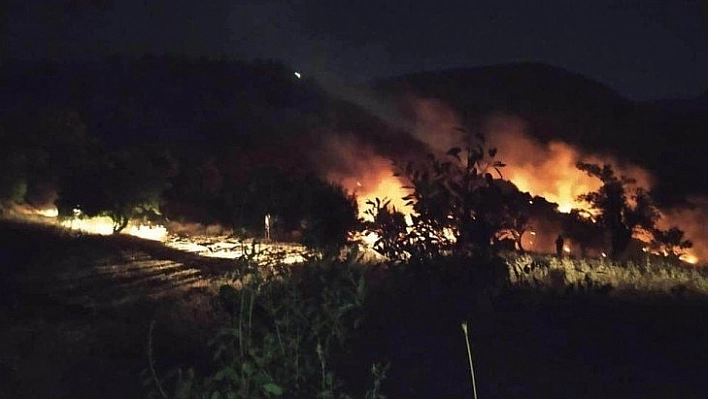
[650, 276]
[81, 309]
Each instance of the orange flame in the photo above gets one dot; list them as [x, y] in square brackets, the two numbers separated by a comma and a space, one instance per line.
[547, 170]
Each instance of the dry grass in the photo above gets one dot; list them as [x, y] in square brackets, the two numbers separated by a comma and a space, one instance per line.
[651, 276]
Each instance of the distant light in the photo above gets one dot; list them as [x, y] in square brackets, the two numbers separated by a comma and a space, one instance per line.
[297, 75]
[604, 255]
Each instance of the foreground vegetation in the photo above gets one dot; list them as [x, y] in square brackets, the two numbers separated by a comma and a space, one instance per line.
[546, 337]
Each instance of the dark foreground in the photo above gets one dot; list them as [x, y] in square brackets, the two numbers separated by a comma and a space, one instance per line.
[76, 312]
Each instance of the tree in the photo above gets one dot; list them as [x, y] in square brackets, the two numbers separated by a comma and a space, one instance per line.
[389, 227]
[514, 212]
[328, 213]
[122, 185]
[13, 170]
[38, 152]
[619, 216]
[582, 229]
[458, 206]
[671, 242]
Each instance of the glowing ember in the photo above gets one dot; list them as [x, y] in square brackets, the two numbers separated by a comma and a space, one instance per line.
[688, 258]
[370, 239]
[155, 232]
[103, 225]
[227, 248]
[50, 212]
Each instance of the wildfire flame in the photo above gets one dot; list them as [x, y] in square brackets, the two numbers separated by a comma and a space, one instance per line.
[547, 170]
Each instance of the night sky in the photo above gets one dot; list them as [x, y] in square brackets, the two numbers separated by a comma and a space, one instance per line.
[644, 49]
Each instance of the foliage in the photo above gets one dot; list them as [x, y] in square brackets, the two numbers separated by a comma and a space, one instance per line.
[670, 242]
[393, 237]
[328, 214]
[36, 153]
[13, 184]
[459, 208]
[621, 217]
[615, 214]
[582, 229]
[284, 328]
[122, 185]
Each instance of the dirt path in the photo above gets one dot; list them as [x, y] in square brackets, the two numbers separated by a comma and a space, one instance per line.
[76, 311]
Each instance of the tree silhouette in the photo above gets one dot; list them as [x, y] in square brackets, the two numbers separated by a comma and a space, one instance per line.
[122, 185]
[582, 229]
[459, 207]
[671, 242]
[617, 214]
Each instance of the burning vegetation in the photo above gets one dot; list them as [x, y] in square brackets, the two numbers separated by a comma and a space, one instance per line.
[600, 206]
[320, 169]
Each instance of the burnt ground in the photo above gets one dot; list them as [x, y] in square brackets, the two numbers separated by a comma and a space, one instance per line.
[76, 312]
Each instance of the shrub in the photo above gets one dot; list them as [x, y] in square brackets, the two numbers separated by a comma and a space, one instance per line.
[284, 327]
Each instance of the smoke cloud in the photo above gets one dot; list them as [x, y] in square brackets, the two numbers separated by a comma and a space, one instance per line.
[541, 169]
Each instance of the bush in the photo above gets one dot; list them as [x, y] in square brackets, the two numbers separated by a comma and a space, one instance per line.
[285, 325]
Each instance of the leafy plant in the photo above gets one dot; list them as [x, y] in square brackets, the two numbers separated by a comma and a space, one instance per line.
[284, 328]
[459, 208]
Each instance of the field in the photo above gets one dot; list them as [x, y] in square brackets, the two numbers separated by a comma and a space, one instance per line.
[78, 309]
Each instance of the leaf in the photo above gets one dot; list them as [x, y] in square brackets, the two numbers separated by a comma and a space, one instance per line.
[228, 372]
[272, 389]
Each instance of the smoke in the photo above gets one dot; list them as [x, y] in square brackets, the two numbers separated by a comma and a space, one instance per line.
[693, 221]
[358, 167]
[549, 170]
[436, 125]
[541, 169]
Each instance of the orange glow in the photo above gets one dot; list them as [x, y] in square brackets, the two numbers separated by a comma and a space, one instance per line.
[148, 232]
[370, 239]
[548, 170]
[692, 259]
[103, 225]
[363, 173]
[48, 211]
[695, 223]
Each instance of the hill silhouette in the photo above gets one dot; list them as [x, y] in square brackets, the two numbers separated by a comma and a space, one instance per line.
[228, 108]
[661, 136]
